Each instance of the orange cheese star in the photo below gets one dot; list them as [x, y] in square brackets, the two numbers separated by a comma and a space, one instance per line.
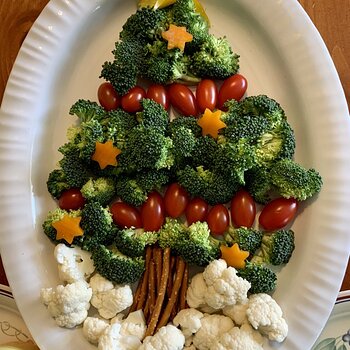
[106, 154]
[234, 256]
[177, 37]
[67, 228]
[211, 123]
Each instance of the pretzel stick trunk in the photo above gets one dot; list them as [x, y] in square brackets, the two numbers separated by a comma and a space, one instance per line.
[144, 286]
[161, 294]
[158, 256]
[175, 291]
[151, 287]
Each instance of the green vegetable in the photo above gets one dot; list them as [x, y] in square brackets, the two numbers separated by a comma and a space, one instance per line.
[101, 190]
[86, 110]
[57, 183]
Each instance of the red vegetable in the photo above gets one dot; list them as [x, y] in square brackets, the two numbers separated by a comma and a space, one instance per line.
[131, 101]
[206, 95]
[196, 210]
[233, 87]
[243, 209]
[125, 215]
[175, 200]
[71, 199]
[182, 99]
[218, 219]
[152, 212]
[158, 93]
[108, 97]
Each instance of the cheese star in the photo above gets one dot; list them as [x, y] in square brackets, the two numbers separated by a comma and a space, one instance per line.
[67, 228]
[106, 154]
[211, 123]
[177, 37]
[234, 256]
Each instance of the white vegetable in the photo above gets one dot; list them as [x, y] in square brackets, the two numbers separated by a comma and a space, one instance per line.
[265, 315]
[109, 299]
[212, 327]
[167, 338]
[134, 324]
[74, 264]
[196, 291]
[237, 313]
[214, 271]
[69, 304]
[93, 328]
[189, 321]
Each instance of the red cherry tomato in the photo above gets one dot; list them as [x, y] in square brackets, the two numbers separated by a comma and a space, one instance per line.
[196, 210]
[243, 209]
[152, 212]
[108, 97]
[218, 219]
[125, 215]
[182, 99]
[233, 87]
[71, 199]
[159, 94]
[206, 95]
[278, 213]
[131, 101]
[175, 200]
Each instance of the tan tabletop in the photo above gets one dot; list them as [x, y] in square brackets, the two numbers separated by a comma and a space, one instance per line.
[331, 17]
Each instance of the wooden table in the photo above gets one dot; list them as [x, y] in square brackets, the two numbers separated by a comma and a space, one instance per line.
[330, 17]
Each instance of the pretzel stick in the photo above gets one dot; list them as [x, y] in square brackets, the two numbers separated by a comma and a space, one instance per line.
[158, 255]
[161, 294]
[136, 296]
[183, 290]
[171, 276]
[151, 286]
[174, 293]
[143, 293]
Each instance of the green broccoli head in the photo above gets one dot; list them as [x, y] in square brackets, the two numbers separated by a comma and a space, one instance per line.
[101, 190]
[185, 122]
[184, 142]
[115, 266]
[215, 59]
[293, 180]
[98, 226]
[57, 183]
[86, 111]
[258, 184]
[204, 151]
[132, 242]
[171, 234]
[261, 278]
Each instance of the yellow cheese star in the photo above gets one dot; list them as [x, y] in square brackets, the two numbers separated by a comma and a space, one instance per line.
[106, 154]
[234, 256]
[211, 123]
[177, 37]
[67, 228]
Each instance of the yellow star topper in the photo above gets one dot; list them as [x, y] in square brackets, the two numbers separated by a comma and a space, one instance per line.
[106, 154]
[234, 256]
[211, 123]
[177, 37]
[67, 228]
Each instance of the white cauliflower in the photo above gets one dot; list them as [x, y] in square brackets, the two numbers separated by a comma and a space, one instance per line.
[265, 315]
[74, 264]
[134, 324]
[167, 338]
[93, 328]
[69, 304]
[196, 292]
[109, 299]
[239, 339]
[189, 321]
[237, 313]
[212, 327]
[214, 271]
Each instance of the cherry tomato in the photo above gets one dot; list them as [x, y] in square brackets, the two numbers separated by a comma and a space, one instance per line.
[108, 97]
[182, 99]
[243, 209]
[233, 87]
[159, 94]
[196, 210]
[206, 95]
[71, 199]
[175, 200]
[218, 219]
[131, 101]
[278, 213]
[152, 212]
[125, 215]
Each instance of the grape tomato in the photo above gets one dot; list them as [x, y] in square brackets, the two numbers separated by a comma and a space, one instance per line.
[152, 212]
[218, 219]
[233, 87]
[196, 210]
[131, 102]
[175, 200]
[125, 215]
[71, 199]
[243, 209]
[206, 95]
[159, 94]
[108, 97]
[183, 99]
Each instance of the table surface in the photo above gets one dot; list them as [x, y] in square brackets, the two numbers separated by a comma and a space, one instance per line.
[331, 18]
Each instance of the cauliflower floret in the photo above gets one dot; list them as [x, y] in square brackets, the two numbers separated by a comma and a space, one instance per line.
[196, 291]
[167, 338]
[189, 321]
[237, 313]
[214, 271]
[74, 264]
[109, 299]
[212, 327]
[228, 289]
[238, 339]
[265, 315]
[69, 304]
[134, 324]
[93, 328]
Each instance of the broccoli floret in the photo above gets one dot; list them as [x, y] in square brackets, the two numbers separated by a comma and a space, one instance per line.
[146, 148]
[101, 190]
[153, 116]
[204, 151]
[132, 242]
[171, 234]
[262, 278]
[98, 226]
[56, 215]
[57, 183]
[186, 122]
[248, 239]
[184, 143]
[215, 59]
[258, 184]
[117, 267]
[293, 180]
[276, 248]
[86, 110]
